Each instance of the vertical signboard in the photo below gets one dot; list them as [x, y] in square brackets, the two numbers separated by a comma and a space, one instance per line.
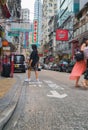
[27, 38]
[35, 31]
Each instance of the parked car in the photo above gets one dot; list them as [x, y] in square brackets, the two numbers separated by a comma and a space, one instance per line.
[62, 65]
[50, 65]
[19, 63]
[70, 66]
[54, 67]
[45, 66]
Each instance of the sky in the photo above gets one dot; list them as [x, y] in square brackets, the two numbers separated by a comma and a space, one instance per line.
[30, 5]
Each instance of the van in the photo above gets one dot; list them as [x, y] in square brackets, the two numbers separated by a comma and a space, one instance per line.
[19, 63]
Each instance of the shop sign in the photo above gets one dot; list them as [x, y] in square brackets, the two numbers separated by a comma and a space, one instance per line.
[45, 51]
[40, 55]
[61, 35]
[13, 34]
[6, 48]
[35, 31]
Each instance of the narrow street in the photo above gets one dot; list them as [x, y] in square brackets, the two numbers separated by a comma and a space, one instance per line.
[51, 104]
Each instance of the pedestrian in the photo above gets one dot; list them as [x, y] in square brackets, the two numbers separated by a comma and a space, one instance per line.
[85, 81]
[79, 67]
[33, 63]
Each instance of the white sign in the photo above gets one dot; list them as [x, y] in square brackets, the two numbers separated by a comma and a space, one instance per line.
[6, 48]
[55, 94]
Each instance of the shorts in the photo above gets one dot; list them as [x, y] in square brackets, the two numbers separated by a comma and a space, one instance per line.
[35, 68]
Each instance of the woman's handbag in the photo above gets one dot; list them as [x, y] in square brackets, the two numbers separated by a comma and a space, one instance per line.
[79, 55]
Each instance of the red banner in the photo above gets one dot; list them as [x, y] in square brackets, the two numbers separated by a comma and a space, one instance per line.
[61, 35]
[35, 35]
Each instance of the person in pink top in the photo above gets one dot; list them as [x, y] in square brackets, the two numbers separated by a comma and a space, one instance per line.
[79, 67]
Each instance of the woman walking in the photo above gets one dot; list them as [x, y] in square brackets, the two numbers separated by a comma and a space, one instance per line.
[79, 67]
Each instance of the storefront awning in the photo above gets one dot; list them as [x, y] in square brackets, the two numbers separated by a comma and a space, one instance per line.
[73, 40]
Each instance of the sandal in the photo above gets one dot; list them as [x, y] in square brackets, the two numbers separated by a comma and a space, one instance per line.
[77, 86]
[84, 85]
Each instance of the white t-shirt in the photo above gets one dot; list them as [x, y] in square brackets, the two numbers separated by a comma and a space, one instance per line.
[86, 52]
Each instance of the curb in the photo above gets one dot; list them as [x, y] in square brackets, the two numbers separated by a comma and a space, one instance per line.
[12, 97]
[6, 114]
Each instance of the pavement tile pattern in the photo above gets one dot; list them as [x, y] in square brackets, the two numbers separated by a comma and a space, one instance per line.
[5, 85]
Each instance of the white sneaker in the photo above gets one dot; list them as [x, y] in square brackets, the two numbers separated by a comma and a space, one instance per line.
[27, 80]
[37, 80]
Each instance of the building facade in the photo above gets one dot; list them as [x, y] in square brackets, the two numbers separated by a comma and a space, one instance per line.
[66, 12]
[49, 12]
[80, 28]
[15, 9]
[38, 16]
[25, 15]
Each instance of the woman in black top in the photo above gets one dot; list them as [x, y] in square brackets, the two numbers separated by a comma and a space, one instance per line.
[33, 63]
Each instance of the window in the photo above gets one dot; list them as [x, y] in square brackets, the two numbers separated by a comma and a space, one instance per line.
[50, 4]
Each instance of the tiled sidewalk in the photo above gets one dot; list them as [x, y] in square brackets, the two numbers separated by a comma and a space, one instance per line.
[5, 85]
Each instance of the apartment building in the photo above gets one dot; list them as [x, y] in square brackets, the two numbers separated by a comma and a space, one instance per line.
[25, 15]
[67, 9]
[80, 28]
[49, 10]
[14, 8]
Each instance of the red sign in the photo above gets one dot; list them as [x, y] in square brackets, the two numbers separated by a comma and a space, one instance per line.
[35, 35]
[40, 55]
[61, 35]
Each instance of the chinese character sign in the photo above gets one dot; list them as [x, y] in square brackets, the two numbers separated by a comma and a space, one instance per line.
[35, 31]
[61, 35]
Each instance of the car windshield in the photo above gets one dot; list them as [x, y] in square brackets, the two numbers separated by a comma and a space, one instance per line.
[64, 62]
[19, 59]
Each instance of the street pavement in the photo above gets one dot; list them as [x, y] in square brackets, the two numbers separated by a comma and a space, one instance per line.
[52, 104]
